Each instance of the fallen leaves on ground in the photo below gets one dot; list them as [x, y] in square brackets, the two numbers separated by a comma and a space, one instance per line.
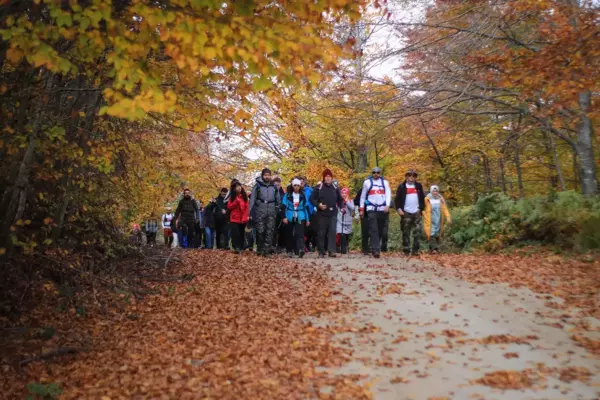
[453, 333]
[576, 281]
[239, 329]
[511, 355]
[591, 345]
[529, 378]
[505, 339]
[509, 379]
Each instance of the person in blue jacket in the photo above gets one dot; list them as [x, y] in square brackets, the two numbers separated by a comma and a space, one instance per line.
[294, 214]
[310, 234]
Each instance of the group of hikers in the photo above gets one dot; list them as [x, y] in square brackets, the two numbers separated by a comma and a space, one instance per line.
[301, 218]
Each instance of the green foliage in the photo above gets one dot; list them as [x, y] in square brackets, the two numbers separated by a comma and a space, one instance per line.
[43, 391]
[567, 220]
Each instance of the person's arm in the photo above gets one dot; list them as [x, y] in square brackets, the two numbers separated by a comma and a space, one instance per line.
[446, 211]
[388, 193]
[162, 221]
[314, 197]
[252, 200]
[283, 208]
[427, 219]
[421, 195]
[363, 196]
[231, 205]
[341, 203]
[350, 205]
[195, 205]
[399, 201]
[177, 212]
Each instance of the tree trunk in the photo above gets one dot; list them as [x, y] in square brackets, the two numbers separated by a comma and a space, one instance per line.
[555, 160]
[585, 147]
[18, 190]
[518, 167]
[362, 149]
[502, 174]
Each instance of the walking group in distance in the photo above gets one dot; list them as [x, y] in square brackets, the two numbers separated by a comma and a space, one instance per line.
[300, 218]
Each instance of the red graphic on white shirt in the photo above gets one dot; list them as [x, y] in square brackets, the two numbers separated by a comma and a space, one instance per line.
[410, 190]
[376, 191]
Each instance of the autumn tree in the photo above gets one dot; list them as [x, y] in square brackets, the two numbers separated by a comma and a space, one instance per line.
[108, 105]
[526, 64]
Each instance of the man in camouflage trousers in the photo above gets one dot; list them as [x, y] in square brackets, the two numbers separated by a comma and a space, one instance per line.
[265, 200]
[410, 203]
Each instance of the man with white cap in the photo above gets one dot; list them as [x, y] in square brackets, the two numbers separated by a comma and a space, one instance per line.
[375, 200]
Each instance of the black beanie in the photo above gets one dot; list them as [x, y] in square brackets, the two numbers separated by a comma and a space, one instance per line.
[265, 171]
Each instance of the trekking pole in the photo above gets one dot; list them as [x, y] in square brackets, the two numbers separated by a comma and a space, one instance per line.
[343, 238]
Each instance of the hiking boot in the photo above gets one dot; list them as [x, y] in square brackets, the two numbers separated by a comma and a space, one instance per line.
[321, 255]
[414, 253]
[365, 253]
[301, 254]
[332, 255]
[290, 255]
[236, 251]
[376, 255]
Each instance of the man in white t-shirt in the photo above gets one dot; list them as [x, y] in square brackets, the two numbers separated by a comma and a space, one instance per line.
[410, 203]
[375, 200]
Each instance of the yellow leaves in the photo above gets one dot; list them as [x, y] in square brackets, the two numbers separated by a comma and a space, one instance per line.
[262, 83]
[210, 52]
[14, 55]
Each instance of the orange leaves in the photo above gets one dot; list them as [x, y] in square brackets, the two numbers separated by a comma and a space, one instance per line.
[575, 281]
[236, 330]
[514, 380]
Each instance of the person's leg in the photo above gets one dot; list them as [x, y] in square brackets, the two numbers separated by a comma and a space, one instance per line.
[372, 218]
[385, 224]
[282, 238]
[332, 225]
[364, 231]
[260, 226]
[405, 224]
[298, 239]
[208, 237]
[416, 233]
[269, 231]
[237, 236]
[217, 235]
[190, 233]
[290, 233]
[322, 226]
[433, 243]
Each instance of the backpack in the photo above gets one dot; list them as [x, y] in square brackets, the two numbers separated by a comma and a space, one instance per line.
[367, 202]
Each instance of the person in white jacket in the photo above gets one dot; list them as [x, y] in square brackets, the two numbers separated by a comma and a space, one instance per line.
[375, 200]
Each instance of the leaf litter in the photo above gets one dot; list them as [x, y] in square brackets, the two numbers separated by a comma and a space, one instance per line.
[241, 328]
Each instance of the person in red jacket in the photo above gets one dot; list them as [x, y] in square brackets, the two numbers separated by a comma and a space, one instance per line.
[238, 217]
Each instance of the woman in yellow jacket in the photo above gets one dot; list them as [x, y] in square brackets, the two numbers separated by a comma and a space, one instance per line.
[436, 214]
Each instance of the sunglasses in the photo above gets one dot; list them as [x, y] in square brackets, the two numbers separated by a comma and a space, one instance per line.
[415, 175]
[377, 172]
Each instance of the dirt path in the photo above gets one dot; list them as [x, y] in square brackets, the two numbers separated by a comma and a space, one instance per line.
[422, 333]
[243, 327]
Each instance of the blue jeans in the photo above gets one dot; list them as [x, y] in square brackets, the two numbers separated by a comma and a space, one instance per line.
[208, 237]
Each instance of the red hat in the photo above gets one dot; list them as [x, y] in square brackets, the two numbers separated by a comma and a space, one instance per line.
[327, 172]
